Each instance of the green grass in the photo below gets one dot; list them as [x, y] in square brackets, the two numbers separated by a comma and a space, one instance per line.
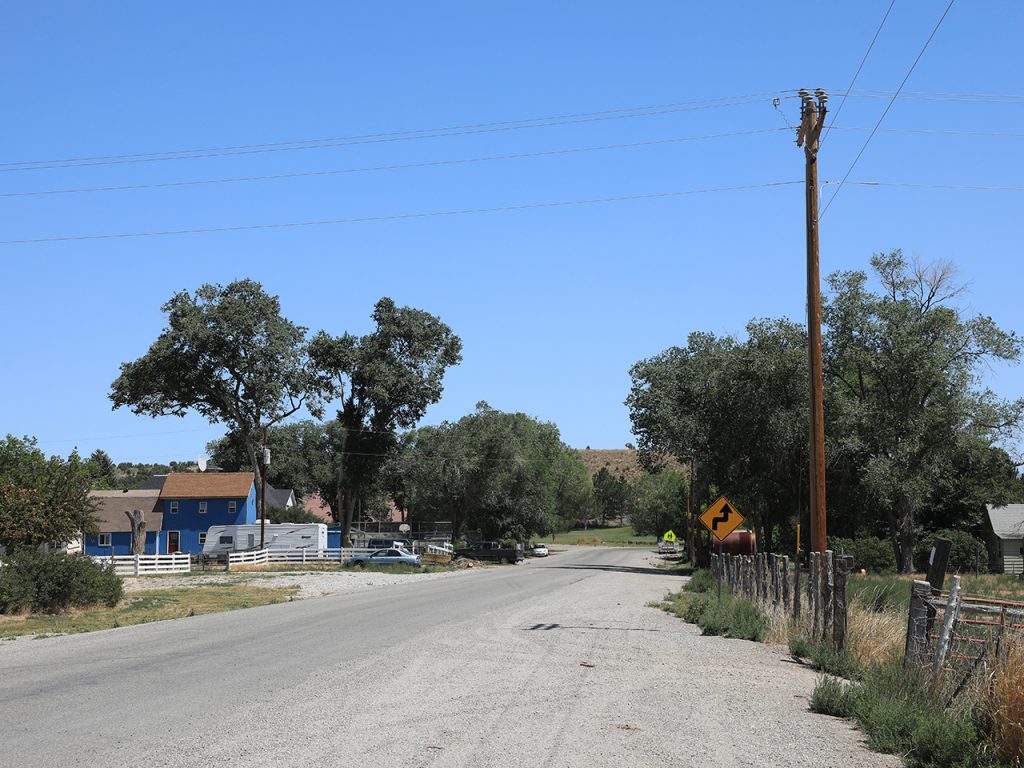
[145, 606]
[826, 657]
[698, 604]
[605, 537]
[892, 591]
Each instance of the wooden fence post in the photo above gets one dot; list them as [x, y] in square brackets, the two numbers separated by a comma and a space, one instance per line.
[916, 648]
[842, 574]
[796, 587]
[828, 590]
[813, 594]
[785, 583]
[765, 579]
[946, 633]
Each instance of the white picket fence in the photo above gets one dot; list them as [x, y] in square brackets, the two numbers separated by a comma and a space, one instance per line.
[422, 547]
[311, 556]
[143, 565]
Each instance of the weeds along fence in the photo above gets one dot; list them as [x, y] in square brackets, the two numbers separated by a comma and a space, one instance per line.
[959, 636]
[773, 583]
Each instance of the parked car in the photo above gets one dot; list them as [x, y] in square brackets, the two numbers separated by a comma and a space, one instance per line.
[386, 543]
[493, 551]
[390, 556]
[539, 550]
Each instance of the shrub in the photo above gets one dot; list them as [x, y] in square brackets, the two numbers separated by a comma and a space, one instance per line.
[702, 581]
[831, 697]
[732, 618]
[965, 552]
[58, 582]
[870, 553]
[16, 591]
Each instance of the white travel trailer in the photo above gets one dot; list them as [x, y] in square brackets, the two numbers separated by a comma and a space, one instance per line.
[221, 539]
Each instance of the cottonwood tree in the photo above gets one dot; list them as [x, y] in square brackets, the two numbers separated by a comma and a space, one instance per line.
[907, 399]
[228, 354]
[505, 474]
[384, 381]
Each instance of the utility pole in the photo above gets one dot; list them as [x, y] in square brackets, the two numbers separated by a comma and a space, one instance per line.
[263, 491]
[812, 118]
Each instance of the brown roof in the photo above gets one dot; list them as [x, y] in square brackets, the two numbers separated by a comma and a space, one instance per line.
[207, 485]
[111, 507]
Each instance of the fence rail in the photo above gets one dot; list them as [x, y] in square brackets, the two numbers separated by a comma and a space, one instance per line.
[142, 565]
[773, 583]
[956, 634]
[311, 556]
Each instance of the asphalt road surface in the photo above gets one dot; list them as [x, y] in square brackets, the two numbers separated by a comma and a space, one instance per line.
[549, 663]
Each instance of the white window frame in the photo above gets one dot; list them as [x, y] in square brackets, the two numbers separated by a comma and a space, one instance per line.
[202, 538]
[203, 507]
[232, 507]
[173, 508]
[105, 540]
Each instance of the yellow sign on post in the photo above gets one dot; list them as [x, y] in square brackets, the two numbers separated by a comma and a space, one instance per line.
[721, 518]
[670, 537]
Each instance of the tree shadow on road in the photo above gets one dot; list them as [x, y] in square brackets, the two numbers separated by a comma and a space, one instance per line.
[614, 569]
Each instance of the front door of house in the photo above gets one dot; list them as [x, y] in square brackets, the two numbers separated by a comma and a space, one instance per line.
[173, 542]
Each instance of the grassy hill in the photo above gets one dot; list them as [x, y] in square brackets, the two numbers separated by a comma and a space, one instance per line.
[619, 461]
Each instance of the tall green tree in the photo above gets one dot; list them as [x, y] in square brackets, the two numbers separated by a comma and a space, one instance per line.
[612, 495]
[505, 474]
[384, 381]
[228, 354]
[42, 500]
[102, 469]
[907, 399]
[659, 502]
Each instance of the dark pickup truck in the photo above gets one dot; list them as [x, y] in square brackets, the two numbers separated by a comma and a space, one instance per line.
[493, 551]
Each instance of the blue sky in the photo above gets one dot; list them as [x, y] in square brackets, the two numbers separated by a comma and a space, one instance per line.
[553, 304]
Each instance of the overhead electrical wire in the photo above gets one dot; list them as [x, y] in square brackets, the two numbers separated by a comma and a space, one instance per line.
[400, 216]
[394, 167]
[923, 185]
[888, 106]
[375, 138]
[856, 74]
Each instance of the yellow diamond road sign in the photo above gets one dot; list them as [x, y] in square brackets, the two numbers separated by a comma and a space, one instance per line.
[669, 537]
[721, 518]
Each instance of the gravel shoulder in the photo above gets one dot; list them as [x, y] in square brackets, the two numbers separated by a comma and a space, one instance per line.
[310, 583]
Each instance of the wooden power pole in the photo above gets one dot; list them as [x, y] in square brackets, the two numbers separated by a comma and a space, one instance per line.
[812, 118]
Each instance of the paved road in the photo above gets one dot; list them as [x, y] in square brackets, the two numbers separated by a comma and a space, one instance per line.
[551, 663]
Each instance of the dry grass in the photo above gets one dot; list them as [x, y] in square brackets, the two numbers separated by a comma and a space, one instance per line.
[1004, 704]
[149, 605]
[874, 636]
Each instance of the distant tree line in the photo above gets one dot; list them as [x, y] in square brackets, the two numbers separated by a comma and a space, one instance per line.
[914, 441]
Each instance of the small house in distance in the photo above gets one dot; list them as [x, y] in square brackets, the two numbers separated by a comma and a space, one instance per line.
[1007, 541]
[115, 531]
[191, 502]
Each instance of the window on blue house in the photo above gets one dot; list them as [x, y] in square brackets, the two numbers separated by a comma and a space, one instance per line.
[202, 539]
[104, 539]
[232, 506]
[173, 509]
[202, 507]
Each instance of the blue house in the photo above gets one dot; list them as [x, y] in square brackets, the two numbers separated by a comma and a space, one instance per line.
[191, 502]
[115, 532]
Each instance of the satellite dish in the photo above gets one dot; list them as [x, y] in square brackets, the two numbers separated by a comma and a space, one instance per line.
[201, 461]
[404, 528]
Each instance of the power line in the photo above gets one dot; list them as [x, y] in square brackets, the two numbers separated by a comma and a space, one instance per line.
[937, 131]
[981, 98]
[401, 166]
[374, 138]
[887, 108]
[916, 185]
[857, 73]
[400, 216]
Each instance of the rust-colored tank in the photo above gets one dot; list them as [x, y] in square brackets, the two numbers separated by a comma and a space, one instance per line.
[737, 543]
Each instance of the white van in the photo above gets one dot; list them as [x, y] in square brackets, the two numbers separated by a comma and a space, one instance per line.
[221, 539]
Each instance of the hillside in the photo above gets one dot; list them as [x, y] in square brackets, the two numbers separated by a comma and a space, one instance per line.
[619, 461]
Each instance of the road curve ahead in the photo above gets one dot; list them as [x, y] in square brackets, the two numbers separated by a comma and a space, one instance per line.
[550, 663]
